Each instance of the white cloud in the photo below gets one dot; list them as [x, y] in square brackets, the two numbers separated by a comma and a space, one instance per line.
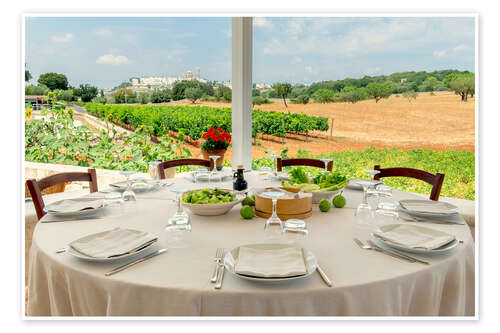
[308, 69]
[296, 60]
[459, 48]
[67, 37]
[109, 59]
[103, 32]
[262, 22]
[129, 38]
[439, 54]
[295, 27]
[274, 47]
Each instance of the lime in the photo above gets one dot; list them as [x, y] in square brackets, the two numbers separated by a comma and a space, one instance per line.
[324, 205]
[246, 212]
[248, 201]
[339, 201]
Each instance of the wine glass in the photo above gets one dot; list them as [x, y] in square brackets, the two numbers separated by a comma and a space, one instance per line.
[273, 227]
[113, 202]
[215, 172]
[326, 161]
[274, 167]
[179, 224]
[364, 212]
[372, 173]
[128, 195]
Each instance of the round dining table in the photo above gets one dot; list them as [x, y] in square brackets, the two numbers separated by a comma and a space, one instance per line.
[177, 283]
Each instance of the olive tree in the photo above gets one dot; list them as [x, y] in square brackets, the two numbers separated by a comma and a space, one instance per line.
[282, 90]
[379, 90]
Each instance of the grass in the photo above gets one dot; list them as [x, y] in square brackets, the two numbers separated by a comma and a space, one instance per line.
[458, 167]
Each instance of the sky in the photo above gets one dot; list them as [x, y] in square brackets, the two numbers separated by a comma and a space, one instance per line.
[105, 51]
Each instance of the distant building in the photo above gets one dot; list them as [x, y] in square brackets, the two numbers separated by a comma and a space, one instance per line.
[154, 82]
[403, 80]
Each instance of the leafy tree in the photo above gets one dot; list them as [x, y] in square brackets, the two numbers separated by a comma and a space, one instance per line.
[54, 81]
[193, 94]
[27, 75]
[255, 92]
[259, 100]
[223, 93]
[87, 92]
[410, 94]
[124, 96]
[36, 90]
[100, 100]
[123, 85]
[65, 95]
[352, 94]
[301, 99]
[282, 90]
[323, 96]
[379, 90]
[180, 86]
[463, 85]
[144, 97]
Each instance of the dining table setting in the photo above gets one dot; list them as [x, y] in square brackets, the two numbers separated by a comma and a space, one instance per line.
[250, 243]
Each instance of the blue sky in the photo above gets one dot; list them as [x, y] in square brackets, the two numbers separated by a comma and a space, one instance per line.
[106, 51]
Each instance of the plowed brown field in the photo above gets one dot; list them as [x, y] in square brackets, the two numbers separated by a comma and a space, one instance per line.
[435, 122]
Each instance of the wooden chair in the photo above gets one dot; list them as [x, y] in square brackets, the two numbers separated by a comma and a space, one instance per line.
[36, 187]
[180, 162]
[302, 161]
[435, 180]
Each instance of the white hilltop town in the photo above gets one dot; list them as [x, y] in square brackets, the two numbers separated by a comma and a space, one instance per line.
[147, 83]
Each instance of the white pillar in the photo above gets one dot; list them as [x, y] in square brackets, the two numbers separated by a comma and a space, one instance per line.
[242, 92]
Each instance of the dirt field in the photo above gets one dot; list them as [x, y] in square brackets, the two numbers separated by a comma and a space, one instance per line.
[435, 122]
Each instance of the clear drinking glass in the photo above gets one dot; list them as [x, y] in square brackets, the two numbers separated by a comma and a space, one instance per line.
[294, 230]
[201, 173]
[326, 161]
[386, 213]
[113, 202]
[214, 174]
[364, 212]
[274, 166]
[128, 195]
[273, 227]
[372, 173]
[179, 225]
[153, 172]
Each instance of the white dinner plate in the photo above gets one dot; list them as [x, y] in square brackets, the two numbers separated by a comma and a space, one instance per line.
[137, 186]
[441, 250]
[231, 259]
[78, 213]
[70, 250]
[355, 186]
[428, 208]
[203, 177]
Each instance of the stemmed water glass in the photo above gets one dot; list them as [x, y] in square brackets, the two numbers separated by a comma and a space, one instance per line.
[325, 161]
[128, 195]
[273, 227]
[386, 211]
[153, 172]
[372, 173]
[274, 167]
[294, 230]
[215, 172]
[179, 224]
[364, 211]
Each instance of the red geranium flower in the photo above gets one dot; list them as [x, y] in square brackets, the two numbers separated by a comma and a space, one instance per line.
[195, 143]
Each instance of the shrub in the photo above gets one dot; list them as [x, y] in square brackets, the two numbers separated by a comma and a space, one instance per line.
[323, 96]
[259, 100]
[301, 99]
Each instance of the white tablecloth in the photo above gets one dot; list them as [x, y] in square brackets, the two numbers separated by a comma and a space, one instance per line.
[365, 283]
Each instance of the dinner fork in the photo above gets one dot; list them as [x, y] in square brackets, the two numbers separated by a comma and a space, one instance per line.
[220, 277]
[219, 254]
[392, 254]
[398, 252]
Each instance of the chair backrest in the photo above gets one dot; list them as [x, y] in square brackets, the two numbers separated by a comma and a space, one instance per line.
[302, 161]
[36, 187]
[180, 162]
[436, 180]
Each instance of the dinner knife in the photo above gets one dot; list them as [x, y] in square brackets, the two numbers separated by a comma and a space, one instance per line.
[323, 276]
[149, 256]
[399, 253]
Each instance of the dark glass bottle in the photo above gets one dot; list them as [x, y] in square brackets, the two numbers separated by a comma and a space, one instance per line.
[239, 183]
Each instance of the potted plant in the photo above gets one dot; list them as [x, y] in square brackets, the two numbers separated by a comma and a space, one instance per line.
[215, 142]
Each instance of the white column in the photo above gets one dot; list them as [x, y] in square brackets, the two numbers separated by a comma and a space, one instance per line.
[242, 92]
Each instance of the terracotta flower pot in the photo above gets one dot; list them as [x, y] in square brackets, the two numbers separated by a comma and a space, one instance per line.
[218, 152]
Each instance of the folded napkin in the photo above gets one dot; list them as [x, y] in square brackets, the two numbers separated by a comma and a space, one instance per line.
[413, 237]
[112, 243]
[275, 263]
[75, 205]
[427, 207]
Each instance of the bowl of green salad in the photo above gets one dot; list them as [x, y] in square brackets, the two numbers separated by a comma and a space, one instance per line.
[324, 186]
[211, 202]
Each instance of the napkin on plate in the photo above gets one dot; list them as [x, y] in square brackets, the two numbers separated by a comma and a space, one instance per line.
[274, 263]
[427, 207]
[75, 205]
[112, 243]
[414, 237]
